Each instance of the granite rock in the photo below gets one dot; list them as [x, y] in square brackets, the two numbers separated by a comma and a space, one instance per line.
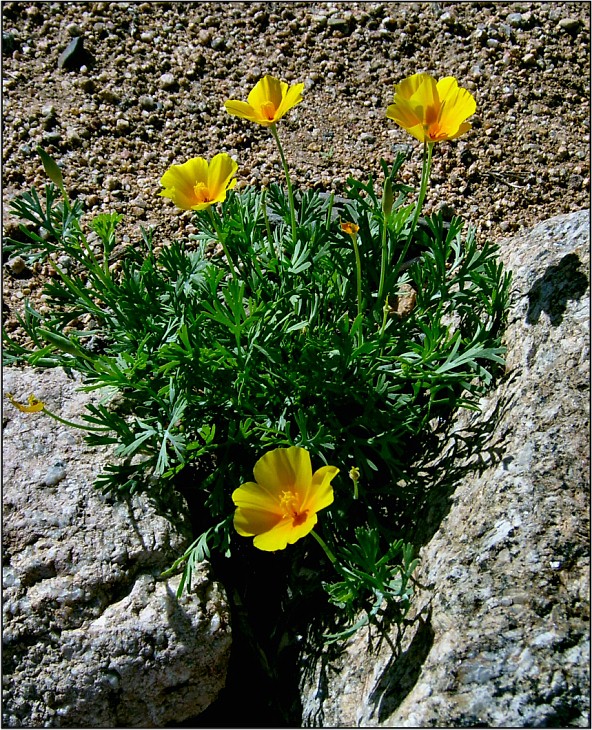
[91, 636]
[500, 636]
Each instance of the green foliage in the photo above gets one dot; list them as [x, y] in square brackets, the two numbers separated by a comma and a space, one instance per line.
[210, 371]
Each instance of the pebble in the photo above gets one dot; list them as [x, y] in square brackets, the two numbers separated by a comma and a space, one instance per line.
[167, 81]
[122, 126]
[147, 102]
[55, 474]
[73, 56]
[338, 24]
[515, 19]
[570, 25]
[112, 183]
[17, 265]
[52, 137]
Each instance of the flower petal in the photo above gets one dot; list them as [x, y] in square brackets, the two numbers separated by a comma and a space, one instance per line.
[221, 169]
[268, 89]
[320, 494]
[284, 470]
[283, 533]
[179, 182]
[252, 496]
[401, 112]
[407, 88]
[464, 127]
[249, 522]
[425, 101]
[293, 96]
[456, 105]
[242, 109]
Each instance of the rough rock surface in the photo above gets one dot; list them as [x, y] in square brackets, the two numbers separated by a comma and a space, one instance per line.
[91, 637]
[502, 634]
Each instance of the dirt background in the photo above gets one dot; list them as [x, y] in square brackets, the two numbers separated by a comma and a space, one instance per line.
[148, 90]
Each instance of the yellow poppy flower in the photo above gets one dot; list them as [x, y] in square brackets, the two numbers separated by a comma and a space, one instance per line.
[195, 185]
[281, 506]
[267, 102]
[432, 111]
[35, 405]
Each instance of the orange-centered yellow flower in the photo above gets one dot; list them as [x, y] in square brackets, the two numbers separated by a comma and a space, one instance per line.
[267, 102]
[281, 506]
[431, 111]
[195, 185]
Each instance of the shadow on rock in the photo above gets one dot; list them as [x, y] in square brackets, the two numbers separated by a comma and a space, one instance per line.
[555, 288]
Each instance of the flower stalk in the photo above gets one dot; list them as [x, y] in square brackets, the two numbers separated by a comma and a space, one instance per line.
[274, 132]
[352, 230]
[222, 239]
[325, 547]
[425, 177]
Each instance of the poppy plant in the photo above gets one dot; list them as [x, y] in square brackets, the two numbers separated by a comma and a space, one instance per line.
[430, 110]
[281, 506]
[197, 184]
[267, 102]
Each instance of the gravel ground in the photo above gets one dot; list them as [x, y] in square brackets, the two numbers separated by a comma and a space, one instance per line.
[150, 90]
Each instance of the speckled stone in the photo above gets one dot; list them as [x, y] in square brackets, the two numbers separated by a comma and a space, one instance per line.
[501, 638]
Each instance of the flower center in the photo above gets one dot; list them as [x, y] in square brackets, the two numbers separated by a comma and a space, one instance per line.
[435, 132]
[268, 110]
[288, 502]
[201, 192]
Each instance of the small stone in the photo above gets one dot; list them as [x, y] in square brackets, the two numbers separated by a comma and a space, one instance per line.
[338, 24]
[112, 183]
[320, 21]
[529, 60]
[74, 30]
[109, 96]
[147, 102]
[218, 44]
[367, 137]
[147, 36]
[73, 56]
[52, 137]
[167, 81]
[8, 42]
[72, 137]
[17, 265]
[448, 18]
[570, 25]
[515, 19]
[88, 86]
[54, 475]
[122, 126]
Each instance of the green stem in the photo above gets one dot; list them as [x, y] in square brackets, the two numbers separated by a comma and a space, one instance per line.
[273, 131]
[354, 239]
[425, 177]
[385, 311]
[223, 242]
[325, 547]
[81, 426]
[383, 261]
[274, 253]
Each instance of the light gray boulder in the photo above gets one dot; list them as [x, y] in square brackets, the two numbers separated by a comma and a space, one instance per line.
[91, 636]
[501, 632]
